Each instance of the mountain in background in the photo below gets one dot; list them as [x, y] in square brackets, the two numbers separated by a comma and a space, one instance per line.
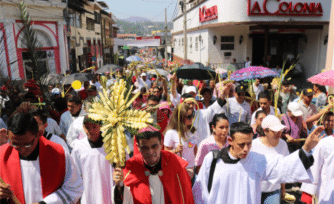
[136, 19]
[140, 26]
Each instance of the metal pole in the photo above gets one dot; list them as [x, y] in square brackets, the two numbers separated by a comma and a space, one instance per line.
[166, 58]
[185, 29]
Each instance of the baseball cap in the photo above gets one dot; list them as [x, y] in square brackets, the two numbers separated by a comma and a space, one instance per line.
[308, 92]
[191, 89]
[273, 123]
[91, 88]
[143, 74]
[295, 109]
[240, 88]
[55, 91]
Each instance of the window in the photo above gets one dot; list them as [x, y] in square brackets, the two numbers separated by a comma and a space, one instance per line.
[97, 17]
[78, 20]
[71, 19]
[196, 44]
[227, 43]
[90, 24]
[191, 43]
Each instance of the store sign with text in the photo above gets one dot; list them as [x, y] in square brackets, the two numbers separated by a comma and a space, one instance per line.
[207, 14]
[284, 8]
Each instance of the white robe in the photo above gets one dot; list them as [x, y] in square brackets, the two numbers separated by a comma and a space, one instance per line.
[56, 139]
[75, 132]
[66, 120]
[240, 183]
[97, 173]
[69, 192]
[328, 195]
[322, 169]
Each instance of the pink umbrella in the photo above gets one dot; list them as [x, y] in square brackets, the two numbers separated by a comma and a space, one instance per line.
[324, 78]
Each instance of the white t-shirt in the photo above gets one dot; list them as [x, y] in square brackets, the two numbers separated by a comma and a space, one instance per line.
[269, 153]
[172, 140]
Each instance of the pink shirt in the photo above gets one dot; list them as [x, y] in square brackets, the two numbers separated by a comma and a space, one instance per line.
[205, 147]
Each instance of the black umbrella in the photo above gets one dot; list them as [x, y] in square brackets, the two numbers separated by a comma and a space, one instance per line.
[108, 68]
[195, 71]
[77, 76]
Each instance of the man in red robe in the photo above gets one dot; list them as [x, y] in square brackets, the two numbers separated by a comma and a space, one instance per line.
[34, 169]
[156, 176]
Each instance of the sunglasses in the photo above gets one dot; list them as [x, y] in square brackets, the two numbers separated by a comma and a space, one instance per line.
[241, 94]
[191, 116]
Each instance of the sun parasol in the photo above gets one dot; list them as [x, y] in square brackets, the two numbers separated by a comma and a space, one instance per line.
[82, 77]
[133, 58]
[324, 79]
[195, 71]
[162, 72]
[253, 73]
[53, 79]
[108, 68]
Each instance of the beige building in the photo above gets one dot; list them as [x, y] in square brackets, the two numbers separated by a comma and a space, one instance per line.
[107, 37]
[85, 34]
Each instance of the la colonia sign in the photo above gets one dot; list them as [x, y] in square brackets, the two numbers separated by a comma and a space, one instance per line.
[284, 8]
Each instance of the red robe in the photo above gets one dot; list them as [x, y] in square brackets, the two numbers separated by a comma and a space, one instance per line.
[175, 180]
[52, 166]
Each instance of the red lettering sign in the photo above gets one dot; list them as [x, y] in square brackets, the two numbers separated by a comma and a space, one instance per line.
[285, 9]
[148, 37]
[208, 14]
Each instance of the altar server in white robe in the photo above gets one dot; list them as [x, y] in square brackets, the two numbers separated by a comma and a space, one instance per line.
[41, 118]
[74, 111]
[34, 169]
[97, 173]
[238, 172]
[75, 132]
[322, 170]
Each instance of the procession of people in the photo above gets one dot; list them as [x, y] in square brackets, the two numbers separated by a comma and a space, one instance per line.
[208, 140]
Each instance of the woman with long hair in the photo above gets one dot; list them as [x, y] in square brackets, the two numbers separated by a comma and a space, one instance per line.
[270, 144]
[216, 141]
[180, 136]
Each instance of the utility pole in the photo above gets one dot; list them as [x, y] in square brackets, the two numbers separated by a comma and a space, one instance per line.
[185, 29]
[166, 57]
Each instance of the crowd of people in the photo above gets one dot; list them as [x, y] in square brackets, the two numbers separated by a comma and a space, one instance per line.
[210, 142]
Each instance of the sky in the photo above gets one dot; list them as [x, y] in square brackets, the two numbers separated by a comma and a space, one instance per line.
[151, 9]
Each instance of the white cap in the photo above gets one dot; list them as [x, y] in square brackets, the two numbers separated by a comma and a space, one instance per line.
[55, 91]
[273, 123]
[191, 89]
[295, 109]
[143, 74]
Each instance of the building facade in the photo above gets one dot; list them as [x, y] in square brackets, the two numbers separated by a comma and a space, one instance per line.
[50, 27]
[267, 31]
[85, 35]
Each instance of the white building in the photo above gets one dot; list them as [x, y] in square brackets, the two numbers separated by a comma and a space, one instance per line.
[219, 31]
